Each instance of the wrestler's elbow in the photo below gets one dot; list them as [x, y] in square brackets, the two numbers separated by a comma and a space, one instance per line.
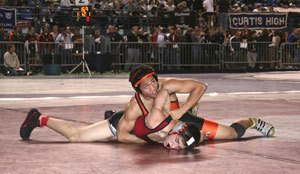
[203, 86]
[122, 138]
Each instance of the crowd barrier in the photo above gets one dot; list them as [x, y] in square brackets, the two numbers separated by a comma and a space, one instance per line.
[165, 56]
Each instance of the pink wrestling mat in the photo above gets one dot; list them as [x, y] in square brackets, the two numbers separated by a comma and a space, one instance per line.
[273, 97]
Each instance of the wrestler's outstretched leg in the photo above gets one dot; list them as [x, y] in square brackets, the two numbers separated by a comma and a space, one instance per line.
[238, 128]
[94, 132]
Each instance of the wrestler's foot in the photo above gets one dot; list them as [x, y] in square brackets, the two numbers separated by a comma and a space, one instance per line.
[31, 122]
[194, 109]
[108, 114]
[264, 127]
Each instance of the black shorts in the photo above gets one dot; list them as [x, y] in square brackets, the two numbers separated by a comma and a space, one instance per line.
[114, 120]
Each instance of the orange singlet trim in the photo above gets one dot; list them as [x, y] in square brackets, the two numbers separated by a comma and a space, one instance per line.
[210, 127]
[147, 75]
[174, 105]
[141, 104]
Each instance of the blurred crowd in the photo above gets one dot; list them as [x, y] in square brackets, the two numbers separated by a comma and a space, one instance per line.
[211, 24]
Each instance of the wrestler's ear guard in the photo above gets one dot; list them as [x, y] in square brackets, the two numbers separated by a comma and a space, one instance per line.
[190, 134]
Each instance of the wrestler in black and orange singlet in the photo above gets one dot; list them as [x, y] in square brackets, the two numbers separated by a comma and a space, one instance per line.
[142, 131]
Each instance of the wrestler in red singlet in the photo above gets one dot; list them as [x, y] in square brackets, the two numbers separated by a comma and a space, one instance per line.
[140, 128]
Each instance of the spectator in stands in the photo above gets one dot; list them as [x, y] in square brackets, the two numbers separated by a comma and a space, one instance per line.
[45, 11]
[219, 36]
[3, 45]
[170, 6]
[116, 48]
[133, 54]
[65, 3]
[154, 47]
[223, 7]
[144, 38]
[113, 34]
[162, 40]
[152, 12]
[293, 41]
[46, 41]
[31, 47]
[3, 35]
[182, 7]
[245, 9]
[161, 2]
[16, 35]
[197, 5]
[263, 40]
[250, 4]
[236, 8]
[97, 36]
[182, 53]
[55, 32]
[150, 5]
[286, 3]
[64, 41]
[235, 46]
[274, 51]
[251, 49]
[11, 62]
[131, 7]
[272, 10]
[208, 5]
[142, 5]
[258, 9]
[77, 40]
[104, 5]
[173, 49]
[193, 50]
[142, 8]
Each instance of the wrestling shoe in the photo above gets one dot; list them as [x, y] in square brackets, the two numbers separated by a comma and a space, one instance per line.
[264, 127]
[194, 109]
[31, 122]
[108, 114]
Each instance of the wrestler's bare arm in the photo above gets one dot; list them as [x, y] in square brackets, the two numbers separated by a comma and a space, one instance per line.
[196, 89]
[157, 115]
[126, 125]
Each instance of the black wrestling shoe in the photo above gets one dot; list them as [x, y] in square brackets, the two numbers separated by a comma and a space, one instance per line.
[108, 114]
[31, 122]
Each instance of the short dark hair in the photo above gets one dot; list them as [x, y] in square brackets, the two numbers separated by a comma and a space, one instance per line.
[9, 46]
[138, 73]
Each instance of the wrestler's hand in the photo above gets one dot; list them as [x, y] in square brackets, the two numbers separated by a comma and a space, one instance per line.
[176, 114]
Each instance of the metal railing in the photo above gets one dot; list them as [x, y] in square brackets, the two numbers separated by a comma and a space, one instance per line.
[167, 56]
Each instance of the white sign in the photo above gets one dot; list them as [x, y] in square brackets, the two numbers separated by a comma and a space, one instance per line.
[82, 2]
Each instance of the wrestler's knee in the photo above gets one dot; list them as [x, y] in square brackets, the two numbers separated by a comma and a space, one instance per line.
[232, 134]
[238, 130]
[74, 137]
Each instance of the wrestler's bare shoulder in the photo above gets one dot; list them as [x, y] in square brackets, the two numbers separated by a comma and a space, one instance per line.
[163, 81]
[169, 82]
[132, 110]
